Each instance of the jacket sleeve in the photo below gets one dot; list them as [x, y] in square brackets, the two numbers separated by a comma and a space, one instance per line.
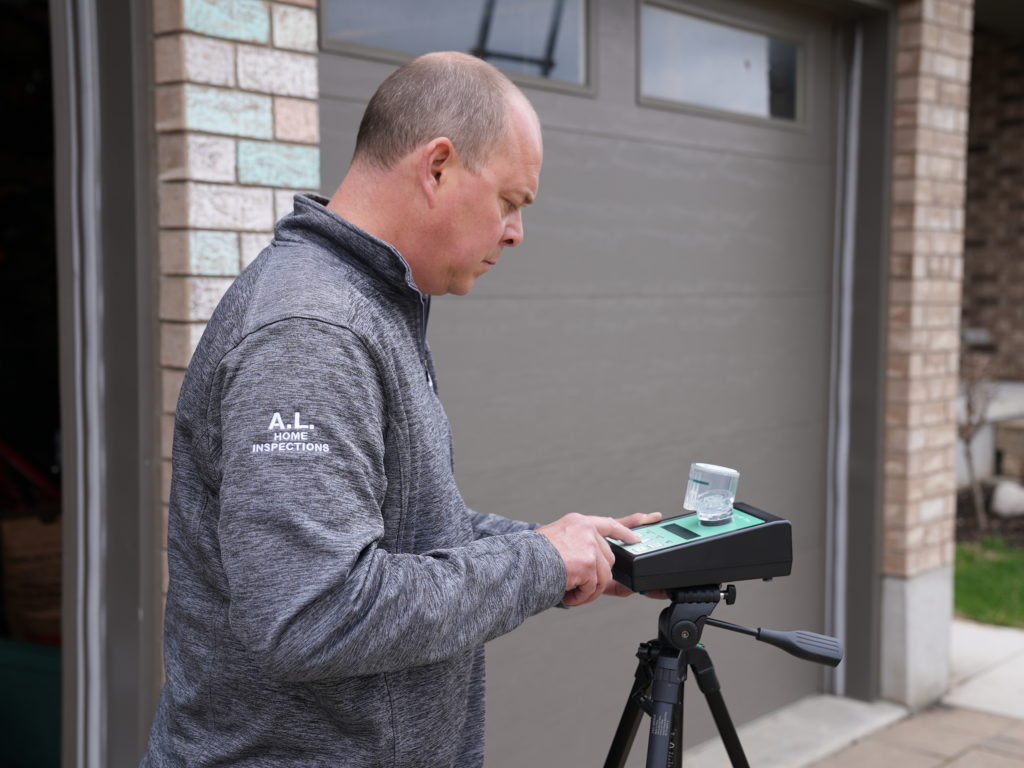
[312, 594]
[489, 524]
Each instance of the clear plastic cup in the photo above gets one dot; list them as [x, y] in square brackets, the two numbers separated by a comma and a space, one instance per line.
[711, 492]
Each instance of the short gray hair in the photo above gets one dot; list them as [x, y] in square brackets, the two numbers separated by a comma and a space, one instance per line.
[446, 94]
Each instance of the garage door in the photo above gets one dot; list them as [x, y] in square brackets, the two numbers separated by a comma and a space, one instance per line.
[671, 303]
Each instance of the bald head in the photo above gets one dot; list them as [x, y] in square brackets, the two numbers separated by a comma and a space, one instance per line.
[445, 94]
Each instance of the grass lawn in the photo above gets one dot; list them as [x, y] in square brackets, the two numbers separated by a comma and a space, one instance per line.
[989, 585]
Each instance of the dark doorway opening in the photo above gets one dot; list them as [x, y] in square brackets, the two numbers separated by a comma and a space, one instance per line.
[30, 465]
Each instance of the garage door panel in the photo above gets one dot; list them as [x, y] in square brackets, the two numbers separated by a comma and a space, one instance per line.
[614, 218]
[616, 479]
[566, 373]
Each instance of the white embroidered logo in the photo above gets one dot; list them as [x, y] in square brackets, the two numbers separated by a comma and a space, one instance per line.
[290, 438]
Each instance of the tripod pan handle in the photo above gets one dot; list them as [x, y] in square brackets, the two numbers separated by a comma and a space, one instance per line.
[811, 646]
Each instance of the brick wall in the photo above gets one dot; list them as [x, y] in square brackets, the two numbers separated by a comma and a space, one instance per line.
[925, 275]
[993, 299]
[238, 133]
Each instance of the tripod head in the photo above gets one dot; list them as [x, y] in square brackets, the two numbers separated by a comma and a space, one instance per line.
[682, 623]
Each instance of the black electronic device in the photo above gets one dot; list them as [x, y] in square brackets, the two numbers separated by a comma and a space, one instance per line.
[684, 552]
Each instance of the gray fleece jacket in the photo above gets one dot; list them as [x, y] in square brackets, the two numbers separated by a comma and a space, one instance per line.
[330, 592]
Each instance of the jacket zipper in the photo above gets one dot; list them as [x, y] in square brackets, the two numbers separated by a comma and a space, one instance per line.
[424, 315]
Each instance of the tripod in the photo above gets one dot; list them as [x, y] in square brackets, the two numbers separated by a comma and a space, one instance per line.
[662, 670]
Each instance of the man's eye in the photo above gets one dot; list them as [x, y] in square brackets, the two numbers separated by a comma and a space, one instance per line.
[510, 207]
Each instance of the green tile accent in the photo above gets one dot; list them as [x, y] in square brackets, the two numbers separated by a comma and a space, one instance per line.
[217, 110]
[278, 165]
[233, 19]
[213, 253]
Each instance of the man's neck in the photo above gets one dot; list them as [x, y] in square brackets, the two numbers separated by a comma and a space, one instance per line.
[382, 203]
[362, 198]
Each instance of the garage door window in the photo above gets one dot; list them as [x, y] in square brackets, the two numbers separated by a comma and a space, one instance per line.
[694, 61]
[539, 38]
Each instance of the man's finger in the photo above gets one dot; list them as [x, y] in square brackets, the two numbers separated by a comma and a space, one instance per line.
[618, 590]
[640, 518]
[606, 550]
[576, 598]
[582, 593]
[608, 526]
[588, 579]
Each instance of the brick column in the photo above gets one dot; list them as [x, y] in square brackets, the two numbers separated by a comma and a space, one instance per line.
[925, 276]
[238, 134]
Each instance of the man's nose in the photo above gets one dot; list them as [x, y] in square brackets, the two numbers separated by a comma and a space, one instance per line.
[513, 235]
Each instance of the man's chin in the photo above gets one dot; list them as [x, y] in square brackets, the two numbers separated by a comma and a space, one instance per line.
[462, 288]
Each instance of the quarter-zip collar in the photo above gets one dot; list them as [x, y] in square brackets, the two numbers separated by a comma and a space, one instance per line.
[380, 260]
[317, 222]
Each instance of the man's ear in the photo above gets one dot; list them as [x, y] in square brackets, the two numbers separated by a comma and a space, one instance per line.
[436, 161]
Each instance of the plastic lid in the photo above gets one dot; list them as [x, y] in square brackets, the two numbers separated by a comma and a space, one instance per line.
[717, 469]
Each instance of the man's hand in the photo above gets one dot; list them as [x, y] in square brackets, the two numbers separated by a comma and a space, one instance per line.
[588, 559]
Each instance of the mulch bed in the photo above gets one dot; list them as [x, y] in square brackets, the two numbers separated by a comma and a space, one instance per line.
[1010, 529]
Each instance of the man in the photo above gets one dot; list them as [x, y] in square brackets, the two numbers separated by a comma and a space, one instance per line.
[330, 592]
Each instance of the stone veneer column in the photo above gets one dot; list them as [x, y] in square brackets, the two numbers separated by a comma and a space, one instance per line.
[238, 134]
[925, 276]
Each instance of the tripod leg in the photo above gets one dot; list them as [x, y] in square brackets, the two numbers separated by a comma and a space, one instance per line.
[624, 735]
[622, 742]
[707, 680]
[665, 746]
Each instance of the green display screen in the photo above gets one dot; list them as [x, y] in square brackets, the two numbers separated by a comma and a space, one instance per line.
[679, 530]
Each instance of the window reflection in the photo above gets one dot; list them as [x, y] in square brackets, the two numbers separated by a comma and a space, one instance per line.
[700, 62]
[543, 38]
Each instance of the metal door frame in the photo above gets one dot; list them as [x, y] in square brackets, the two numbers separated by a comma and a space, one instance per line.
[104, 206]
[866, 45]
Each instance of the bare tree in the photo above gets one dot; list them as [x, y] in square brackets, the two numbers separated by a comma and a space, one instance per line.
[978, 393]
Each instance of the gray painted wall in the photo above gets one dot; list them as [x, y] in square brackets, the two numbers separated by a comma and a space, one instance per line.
[671, 303]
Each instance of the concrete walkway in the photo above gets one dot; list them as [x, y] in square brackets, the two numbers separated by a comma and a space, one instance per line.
[941, 736]
[979, 724]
